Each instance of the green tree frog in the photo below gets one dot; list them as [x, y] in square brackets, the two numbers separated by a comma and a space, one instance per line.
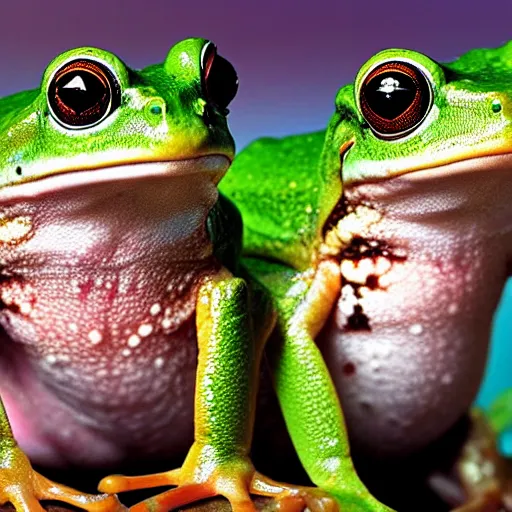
[401, 213]
[126, 336]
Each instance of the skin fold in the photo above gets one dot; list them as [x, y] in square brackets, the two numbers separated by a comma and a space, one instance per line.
[401, 209]
[129, 330]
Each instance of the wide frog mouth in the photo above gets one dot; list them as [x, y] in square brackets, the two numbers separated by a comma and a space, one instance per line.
[214, 166]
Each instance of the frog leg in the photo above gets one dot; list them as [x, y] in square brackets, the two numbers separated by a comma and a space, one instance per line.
[306, 393]
[24, 487]
[230, 341]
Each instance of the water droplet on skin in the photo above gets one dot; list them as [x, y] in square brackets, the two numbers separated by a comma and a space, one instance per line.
[155, 309]
[133, 341]
[126, 352]
[95, 336]
[145, 330]
[416, 329]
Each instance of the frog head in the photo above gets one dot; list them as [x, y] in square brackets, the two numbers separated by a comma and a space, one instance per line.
[93, 112]
[407, 113]
[118, 147]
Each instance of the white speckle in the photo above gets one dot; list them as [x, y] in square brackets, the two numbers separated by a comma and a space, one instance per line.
[170, 286]
[73, 327]
[166, 323]
[308, 209]
[51, 358]
[446, 379]
[331, 464]
[145, 330]
[25, 308]
[108, 285]
[159, 362]
[101, 373]
[453, 308]
[416, 329]
[98, 281]
[348, 300]
[95, 336]
[185, 59]
[126, 352]
[133, 341]
[155, 309]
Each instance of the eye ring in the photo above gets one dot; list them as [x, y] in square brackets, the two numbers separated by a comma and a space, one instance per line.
[395, 97]
[82, 93]
[219, 79]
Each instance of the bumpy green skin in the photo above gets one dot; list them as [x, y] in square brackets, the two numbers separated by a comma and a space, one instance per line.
[279, 209]
[287, 189]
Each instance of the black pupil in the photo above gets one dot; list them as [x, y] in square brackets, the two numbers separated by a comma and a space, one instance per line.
[390, 94]
[81, 90]
[80, 94]
[221, 82]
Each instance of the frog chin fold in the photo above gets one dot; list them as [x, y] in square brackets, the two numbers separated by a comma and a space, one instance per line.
[216, 165]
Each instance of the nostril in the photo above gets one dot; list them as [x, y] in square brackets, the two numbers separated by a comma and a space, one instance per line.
[156, 109]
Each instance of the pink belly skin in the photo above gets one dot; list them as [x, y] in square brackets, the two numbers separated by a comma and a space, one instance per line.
[408, 365]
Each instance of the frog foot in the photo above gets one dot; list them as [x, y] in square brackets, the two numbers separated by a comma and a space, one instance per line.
[236, 482]
[24, 487]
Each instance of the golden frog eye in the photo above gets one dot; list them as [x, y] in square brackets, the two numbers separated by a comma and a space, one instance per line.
[82, 93]
[219, 78]
[395, 98]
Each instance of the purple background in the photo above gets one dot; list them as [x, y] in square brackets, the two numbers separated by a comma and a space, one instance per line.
[291, 57]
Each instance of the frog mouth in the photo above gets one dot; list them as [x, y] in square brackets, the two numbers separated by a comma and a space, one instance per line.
[497, 162]
[214, 166]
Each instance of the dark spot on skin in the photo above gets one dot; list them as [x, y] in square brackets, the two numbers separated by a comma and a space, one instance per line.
[18, 170]
[361, 248]
[349, 369]
[358, 321]
[6, 279]
[366, 406]
[372, 282]
[338, 212]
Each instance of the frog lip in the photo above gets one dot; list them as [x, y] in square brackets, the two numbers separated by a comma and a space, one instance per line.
[496, 162]
[462, 167]
[214, 165]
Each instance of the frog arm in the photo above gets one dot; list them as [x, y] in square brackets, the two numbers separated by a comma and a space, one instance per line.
[304, 387]
[233, 324]
[230, 348]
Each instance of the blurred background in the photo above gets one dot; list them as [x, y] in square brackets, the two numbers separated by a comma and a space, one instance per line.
[291, 57]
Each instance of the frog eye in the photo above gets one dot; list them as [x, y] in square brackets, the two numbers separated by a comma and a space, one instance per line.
[82, 93]
[395, 98]
[219, 78]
